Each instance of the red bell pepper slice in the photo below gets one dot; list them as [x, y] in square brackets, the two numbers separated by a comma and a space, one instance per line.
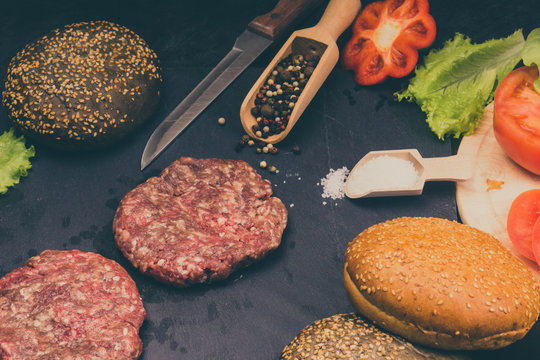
[386, 38]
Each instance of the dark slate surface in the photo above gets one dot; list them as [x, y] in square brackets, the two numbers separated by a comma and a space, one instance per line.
[68, 200]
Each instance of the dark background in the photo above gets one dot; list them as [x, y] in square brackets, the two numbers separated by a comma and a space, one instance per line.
[68, 200]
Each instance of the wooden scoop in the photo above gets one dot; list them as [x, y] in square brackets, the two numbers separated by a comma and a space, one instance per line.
[319, 40]
[451, 168]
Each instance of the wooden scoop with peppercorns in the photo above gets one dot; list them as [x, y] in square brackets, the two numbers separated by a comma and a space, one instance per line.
[285, 88]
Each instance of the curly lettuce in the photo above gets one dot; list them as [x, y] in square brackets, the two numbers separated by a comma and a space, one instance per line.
[14, 159]
[531, 53]
[458, 81]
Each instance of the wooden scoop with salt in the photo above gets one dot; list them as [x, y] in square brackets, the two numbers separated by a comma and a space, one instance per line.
[402, 172]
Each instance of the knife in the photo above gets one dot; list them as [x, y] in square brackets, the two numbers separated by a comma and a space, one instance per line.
[260, 33]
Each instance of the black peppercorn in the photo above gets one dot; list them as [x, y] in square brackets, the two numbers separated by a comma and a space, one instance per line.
[266, 110]
[277, 97]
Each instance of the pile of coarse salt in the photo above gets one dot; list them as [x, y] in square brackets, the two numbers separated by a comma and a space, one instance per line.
[334, 183]
[383, 172]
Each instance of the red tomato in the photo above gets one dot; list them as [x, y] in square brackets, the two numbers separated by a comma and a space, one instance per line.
[386, 38]
[523, 215]
[536, 240]
[516, 121]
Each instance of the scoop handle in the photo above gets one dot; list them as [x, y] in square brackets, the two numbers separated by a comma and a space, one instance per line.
[338, 16]
[449, 168]
[274, 23]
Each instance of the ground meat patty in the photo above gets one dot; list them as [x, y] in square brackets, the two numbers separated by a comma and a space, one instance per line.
[199, 221]
[69, 305]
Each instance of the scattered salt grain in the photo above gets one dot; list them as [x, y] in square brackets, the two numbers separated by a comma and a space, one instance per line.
[383, 172]
[334, 183]
[292, 205]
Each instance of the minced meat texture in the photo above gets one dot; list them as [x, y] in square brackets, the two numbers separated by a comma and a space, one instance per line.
[69, 305]
[200, 220]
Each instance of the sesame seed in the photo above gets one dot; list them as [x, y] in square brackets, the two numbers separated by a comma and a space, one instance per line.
[42, 85]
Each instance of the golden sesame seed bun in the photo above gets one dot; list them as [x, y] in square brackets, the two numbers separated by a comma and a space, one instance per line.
[84, 86]
[441, 283]
[349, 336]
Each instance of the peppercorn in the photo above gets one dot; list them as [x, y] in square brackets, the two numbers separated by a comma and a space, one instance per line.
[277, 97]
[272, 169]
[285, 75]
[265, 150]
[296, 149]
[262, 164]
[251, 143]
[266, 110]
[221, 121]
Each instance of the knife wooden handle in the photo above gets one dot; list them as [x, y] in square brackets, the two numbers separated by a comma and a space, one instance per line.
[275, 22]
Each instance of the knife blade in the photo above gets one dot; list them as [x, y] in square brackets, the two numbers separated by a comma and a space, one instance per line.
[260, 33]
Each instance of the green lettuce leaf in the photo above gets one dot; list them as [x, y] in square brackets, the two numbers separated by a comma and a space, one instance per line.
[458, 81]
[14, 159]
[531, 53]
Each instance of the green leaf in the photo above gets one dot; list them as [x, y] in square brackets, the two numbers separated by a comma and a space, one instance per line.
[456, 82]
[531, 53]
[14, 159]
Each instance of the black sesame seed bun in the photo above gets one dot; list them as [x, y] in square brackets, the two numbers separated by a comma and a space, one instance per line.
[349, 336]
[82, 87]
[440, 283]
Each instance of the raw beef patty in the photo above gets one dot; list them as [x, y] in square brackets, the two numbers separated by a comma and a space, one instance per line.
[69, 305]
[200, 220]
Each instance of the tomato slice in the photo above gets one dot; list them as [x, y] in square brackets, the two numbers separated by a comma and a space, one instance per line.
[536, 240]
[522, 217]
[516, 121]
[386, 38]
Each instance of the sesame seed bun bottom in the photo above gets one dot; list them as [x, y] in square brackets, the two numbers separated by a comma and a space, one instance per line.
[350, 336]
[441, 284]
[421, 336]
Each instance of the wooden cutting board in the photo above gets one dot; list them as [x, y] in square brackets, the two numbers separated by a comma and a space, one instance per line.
[484, 200]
